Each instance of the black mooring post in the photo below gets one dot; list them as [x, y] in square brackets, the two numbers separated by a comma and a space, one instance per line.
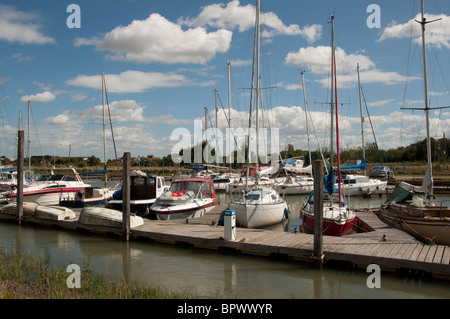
[318, 212]
[126, 181]
[20, 155]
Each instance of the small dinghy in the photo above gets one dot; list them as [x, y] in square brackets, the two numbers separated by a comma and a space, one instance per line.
[107, 217]
[54, 213]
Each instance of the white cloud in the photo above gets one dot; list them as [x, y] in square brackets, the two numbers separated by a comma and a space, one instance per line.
[438, 32]
[156, 39]
[234, 15]
[121, 111]
[130, 81]
[79, 42]
[317, 60]
[22, 27]
[60, 119]
[43, 97]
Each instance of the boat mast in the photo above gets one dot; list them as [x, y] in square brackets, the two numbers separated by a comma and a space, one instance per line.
[427, 107]
[337, 115]
[258, 26]
[332, 102]
[29, 142]
[104, 126]
[251, 94]
[362, 117]
[229, 115]
[306, 112]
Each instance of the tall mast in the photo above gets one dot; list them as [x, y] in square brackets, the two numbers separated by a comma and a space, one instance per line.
[104, 126]
[258, 26]
[306, 112]
[217, 129]
[362, 117]
[338, 151]
[29, 141]
[427, 107]
[229, 114]
[255, 52]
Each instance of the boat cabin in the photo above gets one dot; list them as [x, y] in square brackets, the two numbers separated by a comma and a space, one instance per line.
[199, 185]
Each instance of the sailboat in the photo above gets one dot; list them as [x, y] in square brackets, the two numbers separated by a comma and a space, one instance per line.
[338, 219]
[426, 221]
[259, 206]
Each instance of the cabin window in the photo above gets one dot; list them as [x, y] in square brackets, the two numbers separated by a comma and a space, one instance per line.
[138, 181]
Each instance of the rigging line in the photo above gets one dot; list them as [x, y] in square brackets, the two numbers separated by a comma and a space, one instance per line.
[37, 135]
[373, 132]
[110, 123]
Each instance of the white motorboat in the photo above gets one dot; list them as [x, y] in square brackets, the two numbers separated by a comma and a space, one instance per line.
[355, 185]
[295, 185]
[186, 198]
[48, 189]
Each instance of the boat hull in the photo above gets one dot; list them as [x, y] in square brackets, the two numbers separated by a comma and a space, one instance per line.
[360, 189]
[190, 210]
[428, 229]
[259, 215]
[48, 197]
[331, 226]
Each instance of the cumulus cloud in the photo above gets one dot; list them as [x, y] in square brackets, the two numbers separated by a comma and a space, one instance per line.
[233, 15]
[130, 81]
[317, 60]
[121, 111]
[438, 33]
[43, 97]
[156, 39]
[22, 27]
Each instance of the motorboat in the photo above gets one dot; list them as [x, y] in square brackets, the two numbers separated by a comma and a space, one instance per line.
[48, 189]
[295, 185]
[187, 198]
[145, 189]
[356, 185]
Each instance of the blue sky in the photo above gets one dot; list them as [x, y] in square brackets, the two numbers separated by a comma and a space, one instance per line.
[163, 60]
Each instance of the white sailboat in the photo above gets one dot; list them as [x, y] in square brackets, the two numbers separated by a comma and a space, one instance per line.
[260, 206]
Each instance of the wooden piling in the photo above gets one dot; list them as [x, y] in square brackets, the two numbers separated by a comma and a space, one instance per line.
[318, 212]
[126, 181]
[20, 155]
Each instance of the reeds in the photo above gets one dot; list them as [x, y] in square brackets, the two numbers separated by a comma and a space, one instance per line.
[24, 276]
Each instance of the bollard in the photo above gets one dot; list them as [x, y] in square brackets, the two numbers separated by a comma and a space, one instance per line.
[230, 225]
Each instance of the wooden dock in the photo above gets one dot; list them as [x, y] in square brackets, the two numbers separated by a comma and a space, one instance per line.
[386, 246]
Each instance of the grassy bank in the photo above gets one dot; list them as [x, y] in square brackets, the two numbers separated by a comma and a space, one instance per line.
[23, 276]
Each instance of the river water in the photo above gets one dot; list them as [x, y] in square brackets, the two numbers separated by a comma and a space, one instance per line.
[217, 274]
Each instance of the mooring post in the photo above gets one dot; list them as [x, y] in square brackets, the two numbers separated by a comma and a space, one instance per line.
[126, 181]
[20, 155]
[318, 212]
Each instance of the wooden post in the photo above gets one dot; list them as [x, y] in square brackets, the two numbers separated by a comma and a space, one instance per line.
[20, 155]
[126, 181]
[318, 212]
